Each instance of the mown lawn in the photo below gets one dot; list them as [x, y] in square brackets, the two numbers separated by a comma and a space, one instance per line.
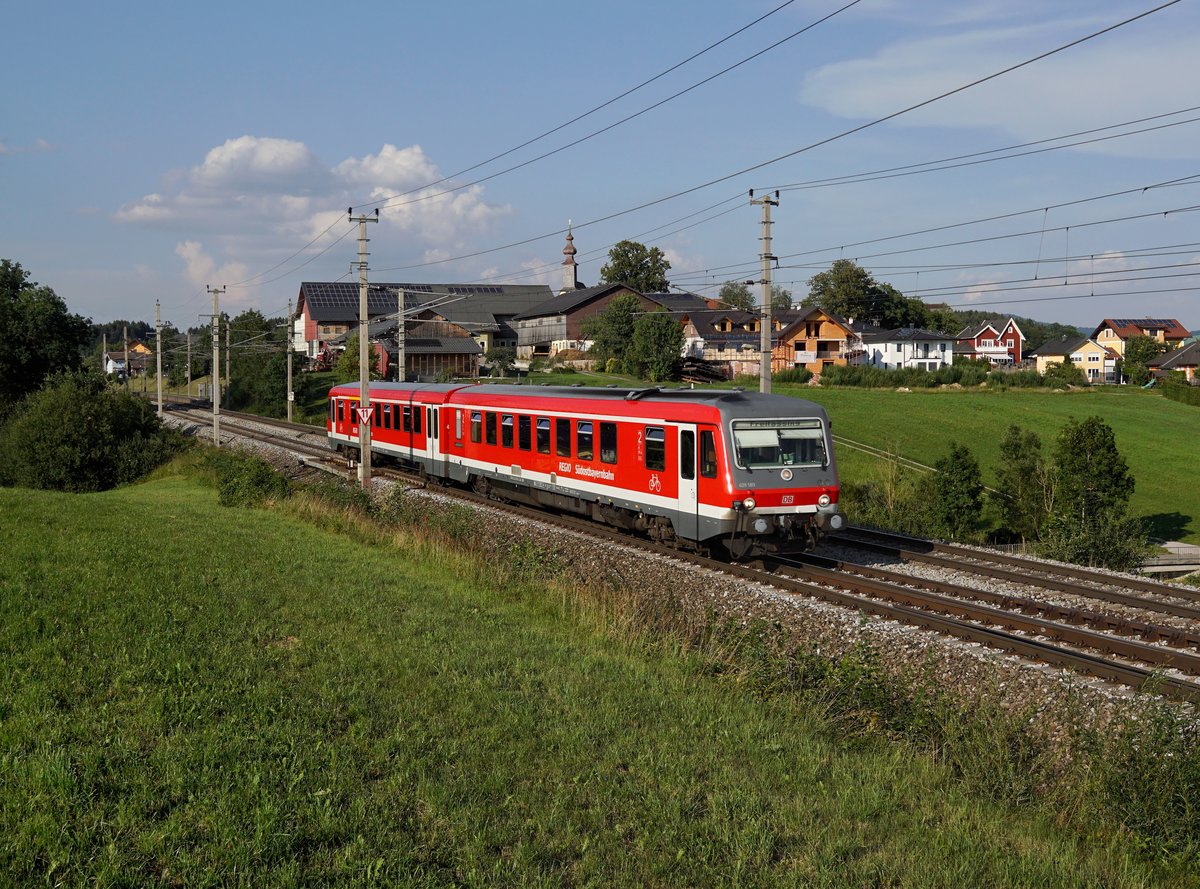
[1160, 439]
[194, 695]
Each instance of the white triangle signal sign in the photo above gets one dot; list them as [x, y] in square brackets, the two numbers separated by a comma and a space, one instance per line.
[364, 414]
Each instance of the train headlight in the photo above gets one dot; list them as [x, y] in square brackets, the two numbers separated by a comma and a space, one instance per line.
[824, 500]
[749, 503]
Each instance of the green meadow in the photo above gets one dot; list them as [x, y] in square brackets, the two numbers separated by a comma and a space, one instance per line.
[196, 695]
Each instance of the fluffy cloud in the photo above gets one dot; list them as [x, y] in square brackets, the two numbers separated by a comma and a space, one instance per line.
[256, 196]
[1144, 68]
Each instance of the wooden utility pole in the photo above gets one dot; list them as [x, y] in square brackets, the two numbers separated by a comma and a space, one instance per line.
[764, 367]
[216, 364]
[364, 365]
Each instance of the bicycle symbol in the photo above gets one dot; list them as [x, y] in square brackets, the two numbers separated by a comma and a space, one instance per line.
[655, 483]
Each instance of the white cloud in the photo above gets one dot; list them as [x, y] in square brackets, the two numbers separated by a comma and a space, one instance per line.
[40, 146]
[202, 270]
[1146, 68]
[258, 196]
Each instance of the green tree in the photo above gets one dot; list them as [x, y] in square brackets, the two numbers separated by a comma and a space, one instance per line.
[346, 369]
[1026, 484]
[77, 433]
[1061, 374]
[38, 336]
[611, 330]
[501, 358]
[781, 298]
[638, 267]
[736, 295]
[1139, 351]
[848, 290]
[957, 492]
[1089, 523]
[258, 364]
[655, 349]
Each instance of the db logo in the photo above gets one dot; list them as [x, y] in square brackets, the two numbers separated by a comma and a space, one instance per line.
[788, 499]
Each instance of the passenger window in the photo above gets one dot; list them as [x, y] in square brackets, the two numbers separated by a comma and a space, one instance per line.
[562, 437]
[385, 416]
[417, 419]
[476, 426]
[583, 440]
[332, 411]
[608, 442]
[708, 455]
[543, 435]
[524, 433]
[458, 425]
[687, 455]
[506, 430]
[433, 421]
[341, 412]
[407, 418]
[656, 448]
[491, 428]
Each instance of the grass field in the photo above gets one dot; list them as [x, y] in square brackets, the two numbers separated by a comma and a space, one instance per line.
[243, 698]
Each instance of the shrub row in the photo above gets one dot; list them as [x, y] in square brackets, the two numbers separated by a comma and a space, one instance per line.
[1182, 393]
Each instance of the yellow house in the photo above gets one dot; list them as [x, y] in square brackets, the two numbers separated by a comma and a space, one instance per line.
[1098, 362]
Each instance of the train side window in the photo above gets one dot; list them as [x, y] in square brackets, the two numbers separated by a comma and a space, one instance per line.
[506, 430]
[433, 421]
[656, 448]
[458, 424]
[708, 454]
[525, 433]
[385, 416]
[687, 454]
[543, 435]
[417, 418]
[332, 411]
[376, 417]
[476, 426]
[341, 412]
[583, 440]
[608, 442]
[491, 428]
[562, 437]
[407, 418]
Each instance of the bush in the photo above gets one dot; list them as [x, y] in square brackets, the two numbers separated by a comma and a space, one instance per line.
[793, 375]
[1182, 393]
[246, 480]
[79, 434]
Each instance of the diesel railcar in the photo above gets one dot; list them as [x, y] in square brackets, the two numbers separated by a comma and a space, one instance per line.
[745, 472]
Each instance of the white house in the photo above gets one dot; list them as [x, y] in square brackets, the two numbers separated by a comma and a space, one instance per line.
[908, 347]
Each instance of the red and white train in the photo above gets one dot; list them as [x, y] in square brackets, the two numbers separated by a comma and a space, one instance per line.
[746, 472]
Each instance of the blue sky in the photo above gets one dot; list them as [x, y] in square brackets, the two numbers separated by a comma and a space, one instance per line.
[150, 150]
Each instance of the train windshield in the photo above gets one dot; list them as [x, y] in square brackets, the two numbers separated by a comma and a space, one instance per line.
[764, 444]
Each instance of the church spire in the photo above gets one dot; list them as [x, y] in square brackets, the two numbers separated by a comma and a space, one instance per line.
[570, 269]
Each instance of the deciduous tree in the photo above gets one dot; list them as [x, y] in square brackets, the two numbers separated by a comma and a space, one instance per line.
[637, 266]
[1026, 483]
[957, 492]
[38, 336]
[654, 351]
[611, 330]
[736, 295]
[1139, 351]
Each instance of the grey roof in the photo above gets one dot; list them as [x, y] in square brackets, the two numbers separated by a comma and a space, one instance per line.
[1187, 356]
[568, 302]
[1064, 346]
[483, 307]
[435, 345]
[906, 334]
[680, 302]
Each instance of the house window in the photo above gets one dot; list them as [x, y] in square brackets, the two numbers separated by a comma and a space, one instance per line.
[987, 344]
[1010, 344]
[656, 448]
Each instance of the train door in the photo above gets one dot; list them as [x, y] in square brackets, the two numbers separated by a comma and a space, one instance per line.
[688, 519]
[433, 443]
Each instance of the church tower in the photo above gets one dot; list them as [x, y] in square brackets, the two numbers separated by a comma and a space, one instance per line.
[570, 269]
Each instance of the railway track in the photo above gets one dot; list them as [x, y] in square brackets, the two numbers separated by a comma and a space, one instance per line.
[1139, 654]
